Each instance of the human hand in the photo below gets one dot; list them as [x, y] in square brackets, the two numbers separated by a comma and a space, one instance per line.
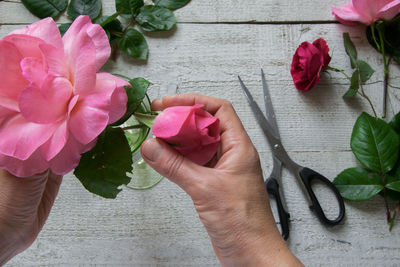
[25, 204]
[229, 194]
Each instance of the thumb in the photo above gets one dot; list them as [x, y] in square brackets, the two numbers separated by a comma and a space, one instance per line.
[171, 164]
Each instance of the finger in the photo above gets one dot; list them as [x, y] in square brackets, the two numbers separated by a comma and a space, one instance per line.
[48, 197]
[171, 164]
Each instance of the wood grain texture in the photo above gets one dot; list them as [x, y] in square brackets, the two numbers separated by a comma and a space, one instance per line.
[209, 11]
[159, 227]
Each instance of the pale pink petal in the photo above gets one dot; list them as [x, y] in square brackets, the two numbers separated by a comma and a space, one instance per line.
[97, 35]
[27, 45]
[33, 70]
[54, 145]
[89, 117]
[24, 168]
[19, 138]
[45, 29]
[47, 104]
[10, 75]
[348, 15]
[119, 98]
[55, 60]
[68, 158]
[390, 10]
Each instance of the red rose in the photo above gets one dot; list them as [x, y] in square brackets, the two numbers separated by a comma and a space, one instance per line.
[308, 62]
[191, 130]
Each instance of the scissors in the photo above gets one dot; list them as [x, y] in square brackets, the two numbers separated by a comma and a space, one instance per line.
[304, 175]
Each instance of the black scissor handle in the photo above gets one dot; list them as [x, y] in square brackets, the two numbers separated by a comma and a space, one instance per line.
[273, 189]
[307, 175]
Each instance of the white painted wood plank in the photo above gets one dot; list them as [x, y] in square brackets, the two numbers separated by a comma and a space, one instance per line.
[159, 226]
[12, 11]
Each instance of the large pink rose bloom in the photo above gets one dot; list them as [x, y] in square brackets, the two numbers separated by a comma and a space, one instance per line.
[191, 130]
[366, 11]
[54, 102]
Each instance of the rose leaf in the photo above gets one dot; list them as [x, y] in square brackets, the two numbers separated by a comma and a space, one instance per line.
[171, 4]
[91, 8]
[64, 28]
[365, 70]
[128, 7]
[45, 8]
[350, 49]
[375, 143]
[103, 169]
[395, 123]
[134, 44]
[155, 18]
[354, 85]
[358, 184]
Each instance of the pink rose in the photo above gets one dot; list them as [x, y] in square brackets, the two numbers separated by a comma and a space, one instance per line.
[53, 101]
[366, 11]
[308, 62]
[191, 130]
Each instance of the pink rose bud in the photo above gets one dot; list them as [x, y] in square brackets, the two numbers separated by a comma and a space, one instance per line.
[366, 11]
[308, 62]
[191, 130]
[54, 101]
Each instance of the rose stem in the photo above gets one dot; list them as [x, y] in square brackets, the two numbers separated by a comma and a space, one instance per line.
[338, 70]
[385, 72]
[395, 212]
[139, 126]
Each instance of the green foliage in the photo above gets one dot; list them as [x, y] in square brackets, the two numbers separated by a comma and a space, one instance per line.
[375, 143]
[171, 4]
[128, 7]
[395, 123]
[91, 8]
[354, 85]
[350, 49]
[64, 27]
[358, 184]
[45, 8]
[103, 169]
[155, 18]
[136, 93]
[134, 44]
[365, 70]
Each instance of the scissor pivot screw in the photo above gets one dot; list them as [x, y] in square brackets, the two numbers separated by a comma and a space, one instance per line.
[276, 146]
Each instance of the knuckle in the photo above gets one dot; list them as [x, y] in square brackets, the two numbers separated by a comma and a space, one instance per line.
[173, 165]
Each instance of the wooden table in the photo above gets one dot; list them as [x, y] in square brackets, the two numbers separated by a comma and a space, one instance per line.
[213, 43]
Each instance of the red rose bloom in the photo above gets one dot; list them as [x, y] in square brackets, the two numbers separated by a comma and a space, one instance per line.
[308, 62]
[191, 130]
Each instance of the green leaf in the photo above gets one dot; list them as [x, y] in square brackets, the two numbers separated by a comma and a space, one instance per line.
[395, 123]
[111, 25]
[365, 70]
[45, 8]
[103, 169]
[128, 7]
[146, 119]
[155, 18]
[358, 184]
[91, 8]
[64, 28]
[135, 94]
[375, 143]
[134, 44]
[354, 85]
[171, 4]
[394, 186]
[350, 49]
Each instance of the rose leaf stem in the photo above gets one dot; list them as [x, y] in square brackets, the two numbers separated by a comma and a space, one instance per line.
[139, 126]
[363, 94]
[385, 72]
[339, 70]
[388, 214]
[395, 212]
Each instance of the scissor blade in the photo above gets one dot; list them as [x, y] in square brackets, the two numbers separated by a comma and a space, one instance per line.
[265, 125]
[269, 108]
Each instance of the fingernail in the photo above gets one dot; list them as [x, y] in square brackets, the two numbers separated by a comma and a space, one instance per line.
[151, 149]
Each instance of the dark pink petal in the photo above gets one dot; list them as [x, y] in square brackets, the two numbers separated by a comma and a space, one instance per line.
[170, 122]
[45, 29]
[322, 46]
[56, 142]
[24, 168]
[19, 138]
[89, 117]
[10, 75]
[48, 104]
[54, 60]
[68, 158]
[33, 70]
